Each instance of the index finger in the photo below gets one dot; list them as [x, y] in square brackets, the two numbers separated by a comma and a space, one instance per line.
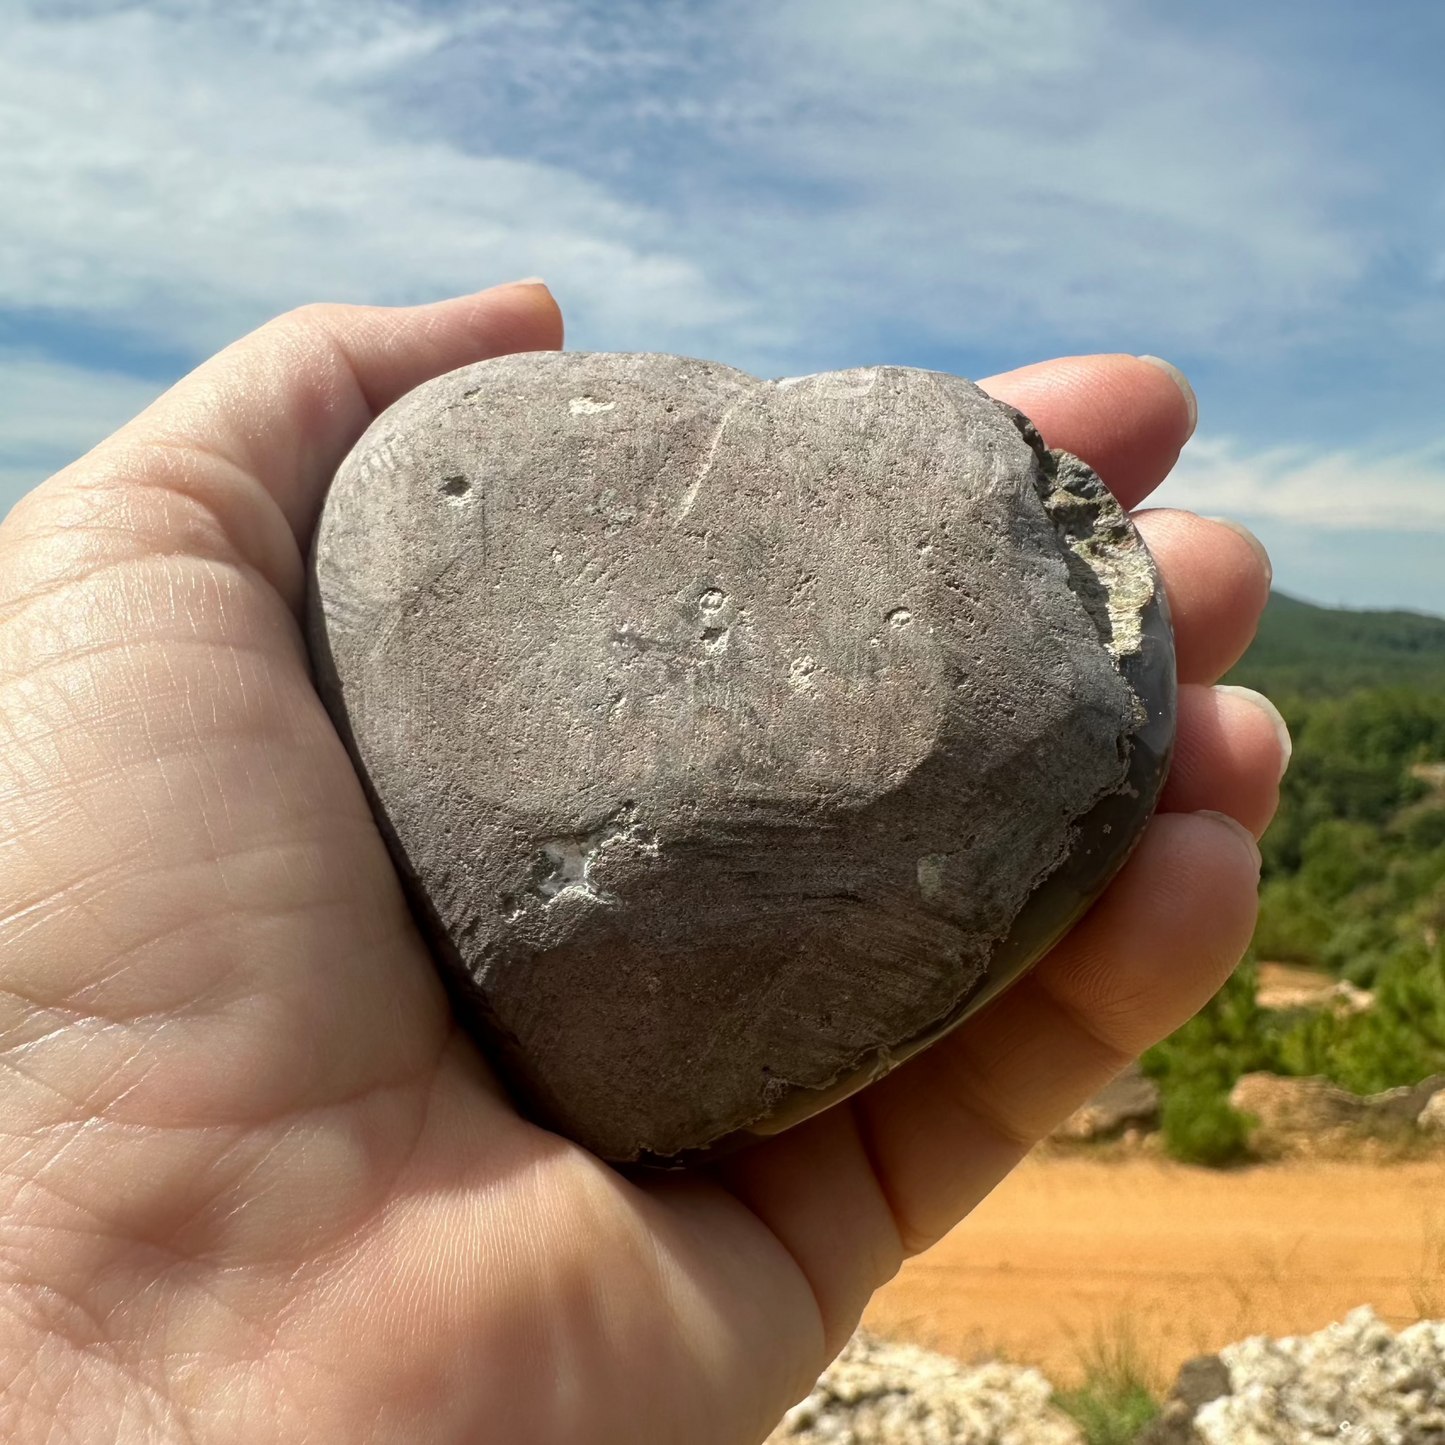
[1127, 416]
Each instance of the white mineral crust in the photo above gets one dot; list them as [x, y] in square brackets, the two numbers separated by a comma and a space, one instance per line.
[878, 1393]
[1356, 1381]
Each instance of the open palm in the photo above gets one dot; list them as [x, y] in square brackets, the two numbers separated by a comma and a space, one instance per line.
[254, 1184]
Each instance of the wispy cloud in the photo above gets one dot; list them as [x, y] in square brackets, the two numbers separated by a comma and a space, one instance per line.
[811, 176]
[184, 176]
[1355, 491]
[1054, 167]
[52, 413]
[787, 185]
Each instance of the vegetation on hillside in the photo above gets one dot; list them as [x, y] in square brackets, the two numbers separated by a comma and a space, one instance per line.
[1354, 873]
[1354, 863]
[1304, 651]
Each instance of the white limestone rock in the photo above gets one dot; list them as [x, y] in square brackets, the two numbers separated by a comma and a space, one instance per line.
[879, 1393]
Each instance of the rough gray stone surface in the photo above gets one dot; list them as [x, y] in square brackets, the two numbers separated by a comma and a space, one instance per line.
[1202, 1379]
[723, 729]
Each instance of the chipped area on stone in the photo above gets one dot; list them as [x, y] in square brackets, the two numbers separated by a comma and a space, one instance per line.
[588, 406]
[567, 863]
[1111, 553]
[733, 738]
[931, 873]
[800, 674]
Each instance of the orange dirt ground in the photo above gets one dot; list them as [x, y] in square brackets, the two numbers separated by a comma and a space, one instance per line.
[1068, 1255]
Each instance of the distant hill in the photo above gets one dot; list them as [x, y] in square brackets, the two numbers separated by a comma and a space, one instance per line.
[1307, 651]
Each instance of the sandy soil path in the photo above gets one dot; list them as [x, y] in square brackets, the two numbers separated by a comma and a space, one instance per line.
[1070, 1255]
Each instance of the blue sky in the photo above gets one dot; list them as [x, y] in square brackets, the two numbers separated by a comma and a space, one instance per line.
[1254, 192]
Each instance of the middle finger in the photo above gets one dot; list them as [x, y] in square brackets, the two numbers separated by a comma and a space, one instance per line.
[1216, 576]
[1229, 756]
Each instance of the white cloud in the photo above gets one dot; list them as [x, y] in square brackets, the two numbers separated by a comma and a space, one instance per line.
[50, 414]
[1354, 491]
[1355, 569]
[820, 174]
[1060, 165]
[177, 174]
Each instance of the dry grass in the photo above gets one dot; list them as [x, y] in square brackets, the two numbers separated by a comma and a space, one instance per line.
[1120, 1384]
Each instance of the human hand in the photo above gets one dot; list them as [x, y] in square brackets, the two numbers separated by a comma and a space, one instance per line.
[254, 1183]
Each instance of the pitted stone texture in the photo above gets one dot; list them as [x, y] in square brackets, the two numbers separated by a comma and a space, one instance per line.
[723, 729]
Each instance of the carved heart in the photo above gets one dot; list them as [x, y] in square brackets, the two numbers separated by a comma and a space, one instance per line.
[735, 739]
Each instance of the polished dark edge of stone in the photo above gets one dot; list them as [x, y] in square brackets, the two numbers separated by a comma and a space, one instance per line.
[469, 1004]
[1054, 907]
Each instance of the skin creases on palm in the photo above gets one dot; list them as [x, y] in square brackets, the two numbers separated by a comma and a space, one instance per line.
[255, 1185]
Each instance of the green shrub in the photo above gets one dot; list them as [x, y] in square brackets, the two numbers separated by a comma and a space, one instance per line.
[1401, 1040]
[1361, 945]
[1293, 926]
[1353, 879]
[1114, 1403]
[1106, 1417]
[1197, 1065]
[1352, 765]
[1231, 1035]
[1199, 1127]
[1422, 828]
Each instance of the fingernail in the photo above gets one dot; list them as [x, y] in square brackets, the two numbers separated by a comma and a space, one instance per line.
[1277, 722]
[527, 281]
[1240, 832]
[1182, 382]
[1253, 541]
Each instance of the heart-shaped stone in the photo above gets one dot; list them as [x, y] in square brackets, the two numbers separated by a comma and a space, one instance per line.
[735, 739]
